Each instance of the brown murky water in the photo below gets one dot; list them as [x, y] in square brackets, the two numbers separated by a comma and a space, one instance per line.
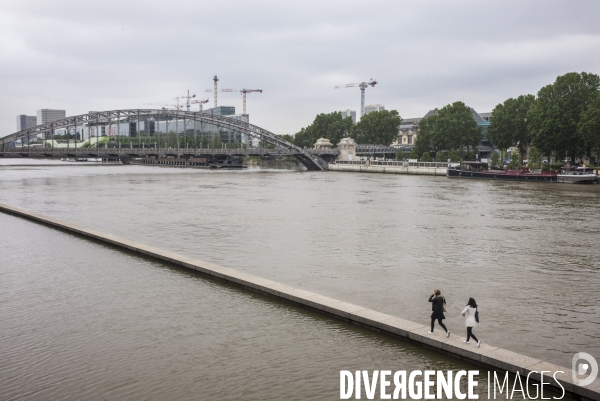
[82, 320]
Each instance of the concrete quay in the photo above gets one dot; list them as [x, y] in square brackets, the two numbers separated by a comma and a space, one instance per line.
[488, 356]
[390, 167]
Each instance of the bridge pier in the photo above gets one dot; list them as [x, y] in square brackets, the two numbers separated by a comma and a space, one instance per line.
[311, 163]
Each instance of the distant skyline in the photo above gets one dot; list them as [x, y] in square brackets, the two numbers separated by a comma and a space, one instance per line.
[82, 56]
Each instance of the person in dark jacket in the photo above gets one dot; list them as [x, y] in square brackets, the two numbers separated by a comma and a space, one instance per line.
[437, 306]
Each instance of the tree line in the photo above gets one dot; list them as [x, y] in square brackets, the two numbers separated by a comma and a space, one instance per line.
[563, 120]
[452, 131]
[378, 127]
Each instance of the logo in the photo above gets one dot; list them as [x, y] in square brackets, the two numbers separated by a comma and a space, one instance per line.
[584, 364]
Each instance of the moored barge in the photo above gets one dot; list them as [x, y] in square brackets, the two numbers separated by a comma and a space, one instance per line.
[481, 170]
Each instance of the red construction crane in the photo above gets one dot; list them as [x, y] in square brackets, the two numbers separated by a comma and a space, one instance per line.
[185, 96]
[362, 85]
[200, 102]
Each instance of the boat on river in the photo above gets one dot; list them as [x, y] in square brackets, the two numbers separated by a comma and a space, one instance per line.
[80, 159]
[579, 175]
[481, 170]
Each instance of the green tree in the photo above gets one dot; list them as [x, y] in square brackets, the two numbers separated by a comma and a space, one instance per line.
[172, 139]
[305, 138]
[413, 154]
[509, 124]
[534, 158]
[378, 128]
[456, 128]
[454, 156]
[554, 118]
[331, 126]
[515, 161]
[400, 154]
[469, 156]
[452, 128]
[589, 128]
[425, 157]
[441, 156]
[424, 142]
[495, 158]
[289, 138]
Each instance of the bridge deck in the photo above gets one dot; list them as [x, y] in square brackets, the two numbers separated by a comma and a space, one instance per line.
[141, 152]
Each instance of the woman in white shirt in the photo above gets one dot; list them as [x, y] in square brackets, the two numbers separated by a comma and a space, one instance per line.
[469, 313]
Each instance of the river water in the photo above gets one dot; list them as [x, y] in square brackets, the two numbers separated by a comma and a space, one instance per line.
[80, 320]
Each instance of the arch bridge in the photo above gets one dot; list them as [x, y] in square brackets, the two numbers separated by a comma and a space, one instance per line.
[190, 127]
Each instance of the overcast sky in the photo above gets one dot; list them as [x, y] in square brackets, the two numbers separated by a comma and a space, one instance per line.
[103, 55]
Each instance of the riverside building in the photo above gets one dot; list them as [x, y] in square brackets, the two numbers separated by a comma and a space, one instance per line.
[24, 122]
[49, 115]
[374, 107]
[409, 131]
[349, 113]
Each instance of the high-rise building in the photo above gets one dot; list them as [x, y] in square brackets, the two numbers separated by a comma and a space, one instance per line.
[220, 111]
[24, 122]
[48, 115]
[349, 113]
[225, 135]
[374, 107]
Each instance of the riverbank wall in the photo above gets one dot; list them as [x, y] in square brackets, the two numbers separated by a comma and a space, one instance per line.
[488, 356]
[391, 167]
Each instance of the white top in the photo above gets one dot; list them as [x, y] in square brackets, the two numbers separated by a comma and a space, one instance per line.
[469, 313]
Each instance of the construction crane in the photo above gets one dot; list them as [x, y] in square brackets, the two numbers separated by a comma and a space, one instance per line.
[215, 91]
[362, 85]
[200, 102]
[172, 107]
[215, 79]
[185, 96]
[165, 106]
[243, 92]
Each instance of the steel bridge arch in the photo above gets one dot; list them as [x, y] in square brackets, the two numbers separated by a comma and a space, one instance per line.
[310, 160]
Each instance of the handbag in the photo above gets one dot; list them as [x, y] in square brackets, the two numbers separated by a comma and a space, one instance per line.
[476, 315]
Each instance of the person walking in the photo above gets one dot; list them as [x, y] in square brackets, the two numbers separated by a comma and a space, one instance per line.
[437, 306]
[472, 319]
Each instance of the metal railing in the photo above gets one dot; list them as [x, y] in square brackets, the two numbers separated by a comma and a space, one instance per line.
[279, 151]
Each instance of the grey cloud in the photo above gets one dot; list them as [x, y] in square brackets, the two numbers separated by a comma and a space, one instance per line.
[114, 54]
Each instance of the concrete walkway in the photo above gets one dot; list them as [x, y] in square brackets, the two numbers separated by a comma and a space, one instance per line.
[487, 356]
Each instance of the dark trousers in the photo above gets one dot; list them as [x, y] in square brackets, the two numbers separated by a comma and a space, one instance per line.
[470, 334]
[439, 319]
